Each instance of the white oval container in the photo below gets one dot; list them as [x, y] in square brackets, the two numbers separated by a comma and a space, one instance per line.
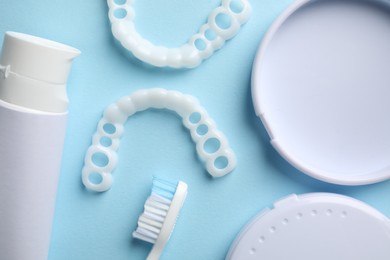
[321, 86]
[319, 226]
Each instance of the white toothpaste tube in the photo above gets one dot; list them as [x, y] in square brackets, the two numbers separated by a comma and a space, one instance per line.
[33, 115]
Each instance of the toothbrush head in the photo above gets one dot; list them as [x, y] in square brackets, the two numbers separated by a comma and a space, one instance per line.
[161, 210]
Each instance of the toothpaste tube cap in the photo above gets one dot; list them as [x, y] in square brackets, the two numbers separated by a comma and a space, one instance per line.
[37, 58]
[34, 72]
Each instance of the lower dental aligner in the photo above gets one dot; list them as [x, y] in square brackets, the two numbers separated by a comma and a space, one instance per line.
[211, 36]
[105, 142]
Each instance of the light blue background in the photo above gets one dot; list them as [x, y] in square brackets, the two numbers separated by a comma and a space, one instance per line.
[98, 226]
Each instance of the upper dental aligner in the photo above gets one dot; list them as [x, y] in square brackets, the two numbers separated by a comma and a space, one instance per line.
[211, 36]
[105, 141]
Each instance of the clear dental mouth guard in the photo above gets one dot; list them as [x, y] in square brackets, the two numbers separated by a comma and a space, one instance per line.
[223, 23]
[211, 145]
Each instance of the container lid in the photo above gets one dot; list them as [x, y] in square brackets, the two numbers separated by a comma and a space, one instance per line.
[320, 226]
[321, 86]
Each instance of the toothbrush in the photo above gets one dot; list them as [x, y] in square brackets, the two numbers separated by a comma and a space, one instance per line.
[161, 210]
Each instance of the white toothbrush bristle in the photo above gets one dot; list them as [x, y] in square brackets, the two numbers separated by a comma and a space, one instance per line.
[145, 237]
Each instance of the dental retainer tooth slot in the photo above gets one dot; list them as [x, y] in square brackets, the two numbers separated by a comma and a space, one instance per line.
[219, 159]
[223, 23]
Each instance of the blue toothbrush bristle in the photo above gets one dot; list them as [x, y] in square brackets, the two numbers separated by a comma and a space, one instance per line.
[164, 188]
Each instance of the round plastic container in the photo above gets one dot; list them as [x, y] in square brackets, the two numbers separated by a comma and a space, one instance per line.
[321, 86]
[319, 226]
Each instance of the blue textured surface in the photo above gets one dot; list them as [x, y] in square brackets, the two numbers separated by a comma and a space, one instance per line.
[98, 226]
